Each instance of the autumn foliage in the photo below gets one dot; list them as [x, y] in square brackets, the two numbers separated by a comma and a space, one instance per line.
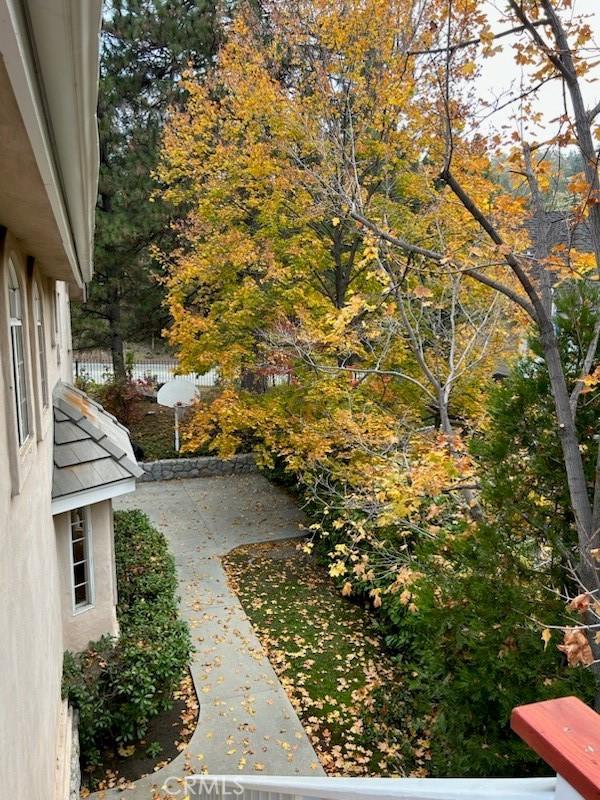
[358, 260]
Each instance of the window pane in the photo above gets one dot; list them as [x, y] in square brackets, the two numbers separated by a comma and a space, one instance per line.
[81, 595]
[80, 558]
[79, 574]
[41, 340]
[42, 355]
[22, 383]
[77, 522]
[14, 293]
[78, 551]
[18, 355]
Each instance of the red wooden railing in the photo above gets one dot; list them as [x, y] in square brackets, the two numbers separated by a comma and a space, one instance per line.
[566, 734]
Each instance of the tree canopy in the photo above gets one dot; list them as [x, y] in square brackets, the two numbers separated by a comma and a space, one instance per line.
[146, 45]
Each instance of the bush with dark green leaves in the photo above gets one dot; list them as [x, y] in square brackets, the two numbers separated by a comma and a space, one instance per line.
[472, 651]
[119, 684]
[519, 454]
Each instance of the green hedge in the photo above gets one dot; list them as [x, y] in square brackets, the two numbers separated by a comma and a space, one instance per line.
[119, 685]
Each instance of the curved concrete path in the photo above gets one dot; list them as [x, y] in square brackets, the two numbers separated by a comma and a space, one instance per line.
[246, 722]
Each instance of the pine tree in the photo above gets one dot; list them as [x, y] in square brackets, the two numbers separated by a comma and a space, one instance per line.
[146, 45]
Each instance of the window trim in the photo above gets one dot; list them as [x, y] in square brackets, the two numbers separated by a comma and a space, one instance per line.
[41, 349]
[24, 426]
[20, 459]
[89, 560]
[57, 321]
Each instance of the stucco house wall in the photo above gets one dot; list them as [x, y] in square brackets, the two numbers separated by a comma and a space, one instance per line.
[80, 627]
[31, 628]
[49, 433]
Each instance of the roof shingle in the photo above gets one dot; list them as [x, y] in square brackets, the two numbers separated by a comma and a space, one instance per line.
[91, 448]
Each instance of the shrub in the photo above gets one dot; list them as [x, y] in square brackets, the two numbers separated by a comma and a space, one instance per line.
[119, 685]
[121, 398]
[473, 651]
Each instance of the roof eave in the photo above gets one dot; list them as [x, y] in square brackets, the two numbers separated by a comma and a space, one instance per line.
[50, 50]
[88, 497]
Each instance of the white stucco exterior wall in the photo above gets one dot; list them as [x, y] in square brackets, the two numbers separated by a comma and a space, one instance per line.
[30, 612]
[84, 626]
[36, 613]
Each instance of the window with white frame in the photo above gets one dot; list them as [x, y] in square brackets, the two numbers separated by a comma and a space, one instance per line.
[81, 559]
[15, 302]
[57, 322]
[38, 310]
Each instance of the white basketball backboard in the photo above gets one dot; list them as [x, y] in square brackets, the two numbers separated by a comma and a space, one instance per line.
[177, 393]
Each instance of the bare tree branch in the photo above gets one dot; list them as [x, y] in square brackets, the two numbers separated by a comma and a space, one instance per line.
[470, 42]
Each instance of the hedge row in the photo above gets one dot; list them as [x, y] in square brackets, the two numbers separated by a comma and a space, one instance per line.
[119, 684]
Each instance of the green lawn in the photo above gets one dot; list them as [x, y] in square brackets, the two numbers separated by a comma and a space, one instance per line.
[329, 656]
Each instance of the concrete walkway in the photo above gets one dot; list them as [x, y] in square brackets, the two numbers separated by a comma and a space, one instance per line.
[246, 722]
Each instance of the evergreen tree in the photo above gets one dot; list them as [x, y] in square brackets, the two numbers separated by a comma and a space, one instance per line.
[146, 45]
[524, 485]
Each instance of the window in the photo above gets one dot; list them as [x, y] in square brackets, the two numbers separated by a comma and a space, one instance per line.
[81, 559]
[57, 323]
[38, 311]
[18, 354]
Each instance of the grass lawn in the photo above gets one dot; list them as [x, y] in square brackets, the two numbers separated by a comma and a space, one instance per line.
[329, 657]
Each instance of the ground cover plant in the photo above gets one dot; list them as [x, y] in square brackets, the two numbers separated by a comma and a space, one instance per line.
[153, 431]
[119, 685]
[331, 659]
[153, 427]
[166, 736]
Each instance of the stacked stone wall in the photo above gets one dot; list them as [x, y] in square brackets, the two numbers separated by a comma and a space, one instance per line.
[202, 467]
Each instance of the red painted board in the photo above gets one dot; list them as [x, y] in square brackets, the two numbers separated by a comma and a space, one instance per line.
[566, 734]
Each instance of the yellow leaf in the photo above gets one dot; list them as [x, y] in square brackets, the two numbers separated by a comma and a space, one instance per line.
[422, 291]
[546, 636]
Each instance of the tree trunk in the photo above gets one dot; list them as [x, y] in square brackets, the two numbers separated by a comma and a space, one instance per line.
[469, 495]
[116, 338]
[567, 432]
[253, 381]
[578, 491]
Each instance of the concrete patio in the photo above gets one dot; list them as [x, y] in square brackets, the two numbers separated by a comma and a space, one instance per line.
[246, 723]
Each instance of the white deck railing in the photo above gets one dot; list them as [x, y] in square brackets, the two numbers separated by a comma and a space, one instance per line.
[564, 732]
[232, 787]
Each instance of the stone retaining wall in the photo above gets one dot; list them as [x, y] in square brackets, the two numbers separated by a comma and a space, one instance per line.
[202, 467]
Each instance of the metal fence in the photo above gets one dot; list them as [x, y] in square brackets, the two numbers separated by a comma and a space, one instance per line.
[159, 370]
[98, 368]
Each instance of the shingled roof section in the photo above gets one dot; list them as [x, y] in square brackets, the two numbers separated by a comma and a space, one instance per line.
[91, 448]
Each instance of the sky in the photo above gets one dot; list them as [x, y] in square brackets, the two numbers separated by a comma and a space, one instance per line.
[498, 72]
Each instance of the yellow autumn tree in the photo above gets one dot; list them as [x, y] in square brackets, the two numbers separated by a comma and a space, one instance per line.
[360, 369]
